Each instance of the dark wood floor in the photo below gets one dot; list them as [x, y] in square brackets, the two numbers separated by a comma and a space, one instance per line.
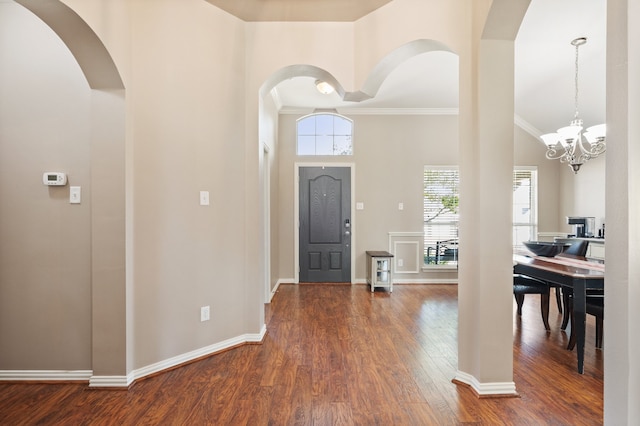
[340, 355]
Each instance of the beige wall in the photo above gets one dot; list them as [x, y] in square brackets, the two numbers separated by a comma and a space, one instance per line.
[45, 271]
[583, 193]
[183, 256]
[390, 152]
[192, 75]
[188, 113]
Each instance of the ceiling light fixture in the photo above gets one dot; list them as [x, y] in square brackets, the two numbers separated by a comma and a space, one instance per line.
[324, 87]
[568, 144]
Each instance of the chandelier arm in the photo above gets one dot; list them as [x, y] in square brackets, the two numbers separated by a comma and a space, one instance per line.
[594, 149]
[554, 154]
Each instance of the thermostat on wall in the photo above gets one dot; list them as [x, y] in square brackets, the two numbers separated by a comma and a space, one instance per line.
[54, 178]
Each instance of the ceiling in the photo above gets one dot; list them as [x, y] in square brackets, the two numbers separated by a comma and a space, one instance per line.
[299, 10]
[544, 67]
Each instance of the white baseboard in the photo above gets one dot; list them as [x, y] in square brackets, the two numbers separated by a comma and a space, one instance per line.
[46, 375]
[126, 381]
[110, 381]
[425, 281]
[416, 281]
[198, 353]
[485, 390]
[275, 289]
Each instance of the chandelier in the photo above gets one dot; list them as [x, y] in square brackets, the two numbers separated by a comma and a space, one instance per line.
[569, 144]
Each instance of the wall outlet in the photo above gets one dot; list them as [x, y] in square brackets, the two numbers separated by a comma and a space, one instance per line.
[205, 313]
[400, 262]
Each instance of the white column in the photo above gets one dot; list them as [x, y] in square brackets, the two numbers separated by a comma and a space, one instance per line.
[622, 281]
[485, 340]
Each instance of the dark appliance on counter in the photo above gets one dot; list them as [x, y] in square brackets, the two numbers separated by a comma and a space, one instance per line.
[583, 226]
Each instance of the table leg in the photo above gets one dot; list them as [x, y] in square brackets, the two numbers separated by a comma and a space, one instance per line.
[579, 318]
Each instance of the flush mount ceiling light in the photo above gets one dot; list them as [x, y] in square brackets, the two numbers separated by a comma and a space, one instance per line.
[567, 144]
[324, 87]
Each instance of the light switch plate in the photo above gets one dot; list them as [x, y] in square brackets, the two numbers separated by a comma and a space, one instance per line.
[204, 198]
[204, 313]
[75, 195]
[359, 206]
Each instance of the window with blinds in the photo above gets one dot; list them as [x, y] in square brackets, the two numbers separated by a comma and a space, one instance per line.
[441, 199]
[525, 205]
[441, 196]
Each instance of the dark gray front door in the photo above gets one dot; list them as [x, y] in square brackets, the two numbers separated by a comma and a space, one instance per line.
[325, 224]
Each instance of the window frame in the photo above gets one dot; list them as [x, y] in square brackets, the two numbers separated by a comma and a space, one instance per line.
[532, 215]
[444, 255]
[316, 135]
[533, 199]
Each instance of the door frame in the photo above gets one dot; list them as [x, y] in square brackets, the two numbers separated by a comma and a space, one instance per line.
[266, 212]
[296, 214]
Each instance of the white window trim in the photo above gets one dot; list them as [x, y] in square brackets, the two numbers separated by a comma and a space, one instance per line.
[326, 155]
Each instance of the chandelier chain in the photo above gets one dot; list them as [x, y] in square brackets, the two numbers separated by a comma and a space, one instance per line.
[576, 83]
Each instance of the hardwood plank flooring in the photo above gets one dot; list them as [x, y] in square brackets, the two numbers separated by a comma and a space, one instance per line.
[341, 355]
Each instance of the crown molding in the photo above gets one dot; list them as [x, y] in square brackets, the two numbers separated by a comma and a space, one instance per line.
[377, 111]
[524, 125]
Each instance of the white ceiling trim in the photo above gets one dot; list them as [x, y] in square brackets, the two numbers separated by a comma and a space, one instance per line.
[524, 125]
[378, 111]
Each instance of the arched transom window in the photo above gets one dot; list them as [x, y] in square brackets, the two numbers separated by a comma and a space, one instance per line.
[324, 134]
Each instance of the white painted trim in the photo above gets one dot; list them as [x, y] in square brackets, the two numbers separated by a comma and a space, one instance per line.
[427, 281]
[436, 268]
[45, 375]
[527, 127]
[266, 199]
[395, 258]
[277, 100]
[198, 353]
[517, 120]
[376, 111]
[405, 234]
[415, 281]
[296, 214]
[273, 292]
[110, 381]
[487, 389]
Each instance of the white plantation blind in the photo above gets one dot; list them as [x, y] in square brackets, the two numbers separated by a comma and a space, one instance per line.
[441, 216]
[525, 211]
[441, 196]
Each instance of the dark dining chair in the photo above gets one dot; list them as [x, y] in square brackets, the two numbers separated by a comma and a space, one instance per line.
[578, 248]
[594, 306]
[523, 285]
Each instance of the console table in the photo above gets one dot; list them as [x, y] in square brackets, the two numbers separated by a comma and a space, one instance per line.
[379, 270]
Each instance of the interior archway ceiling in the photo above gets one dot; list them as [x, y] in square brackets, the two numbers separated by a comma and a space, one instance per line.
[299, 10]
[544, 70]
[435, 77]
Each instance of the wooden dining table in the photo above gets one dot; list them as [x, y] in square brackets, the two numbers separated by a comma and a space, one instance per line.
[575, 272]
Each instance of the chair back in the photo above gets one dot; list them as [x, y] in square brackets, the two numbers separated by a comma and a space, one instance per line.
[577, 248]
